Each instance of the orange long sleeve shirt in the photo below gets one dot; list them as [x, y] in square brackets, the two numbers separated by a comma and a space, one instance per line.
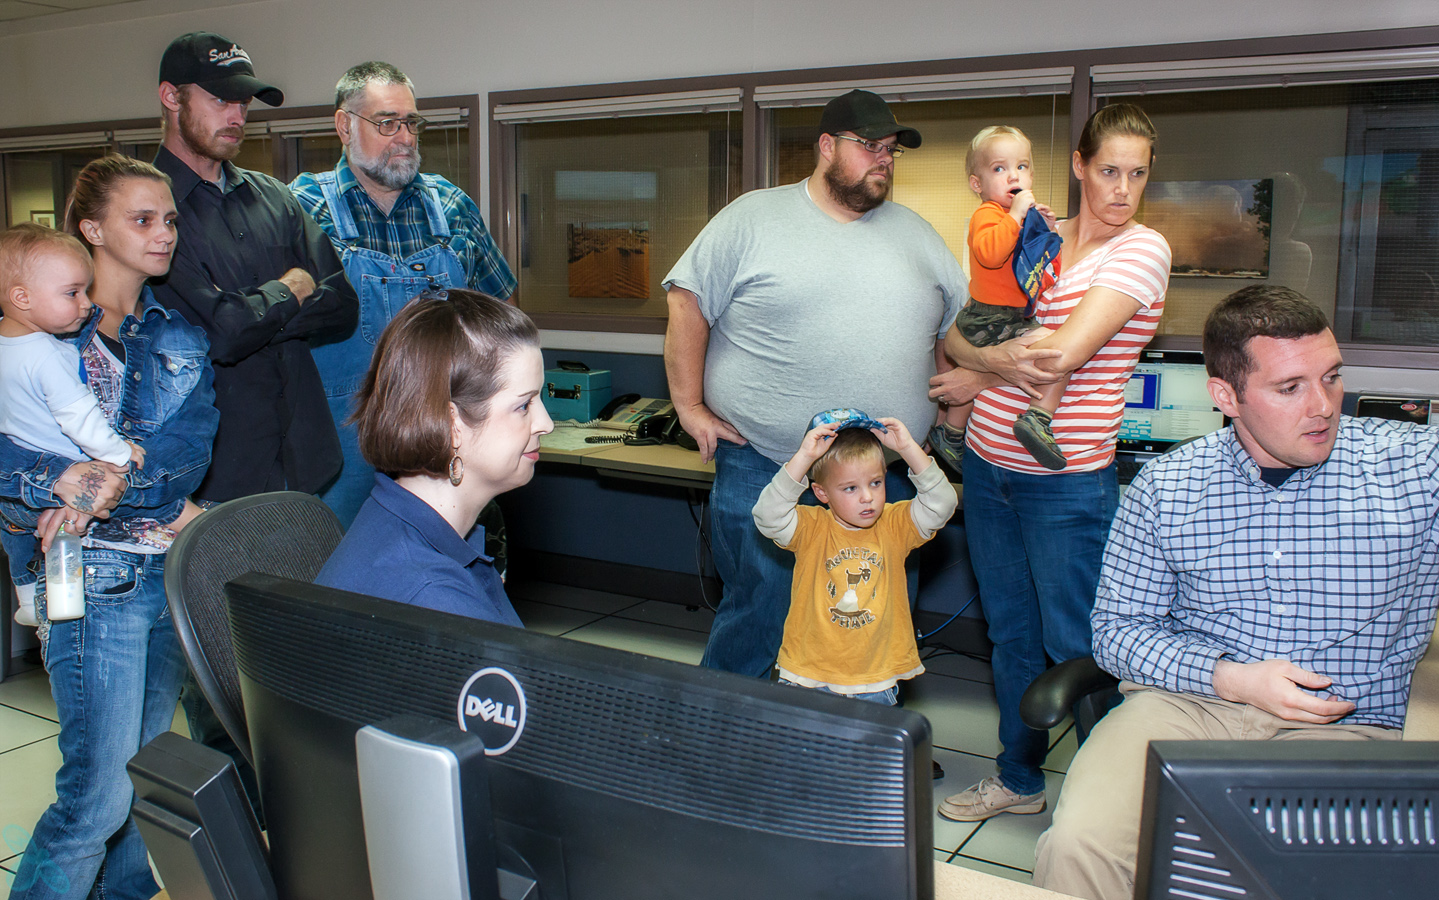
[993, 235]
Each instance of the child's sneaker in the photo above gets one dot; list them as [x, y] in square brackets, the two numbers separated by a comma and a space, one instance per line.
[947, 442]
[25, 615]
[1032, 430]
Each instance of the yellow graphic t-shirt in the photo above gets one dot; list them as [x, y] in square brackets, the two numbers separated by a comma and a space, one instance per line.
[849, 622]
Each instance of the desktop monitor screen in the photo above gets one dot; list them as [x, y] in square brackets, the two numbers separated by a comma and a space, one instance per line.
[1166, 401]
[611, 774]
[1289, 820]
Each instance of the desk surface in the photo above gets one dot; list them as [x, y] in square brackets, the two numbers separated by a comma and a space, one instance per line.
[663, 463]
[956, 883]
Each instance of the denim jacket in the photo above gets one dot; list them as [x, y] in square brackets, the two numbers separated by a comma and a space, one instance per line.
[168, 405]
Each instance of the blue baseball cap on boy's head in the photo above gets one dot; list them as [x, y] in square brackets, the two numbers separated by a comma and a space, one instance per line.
[847, 418]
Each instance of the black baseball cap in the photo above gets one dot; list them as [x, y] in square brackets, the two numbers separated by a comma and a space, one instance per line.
[218, 65]
[867, 115]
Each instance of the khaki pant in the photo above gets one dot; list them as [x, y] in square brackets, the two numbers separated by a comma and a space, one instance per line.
[1089, 850]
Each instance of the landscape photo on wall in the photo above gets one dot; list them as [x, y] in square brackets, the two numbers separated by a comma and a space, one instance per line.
[1214, 228]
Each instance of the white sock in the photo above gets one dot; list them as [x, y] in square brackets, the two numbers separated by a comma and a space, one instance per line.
[25, 593]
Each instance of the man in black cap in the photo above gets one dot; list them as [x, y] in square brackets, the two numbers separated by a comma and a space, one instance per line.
[260, 277]
[255, 272]
[796, 299]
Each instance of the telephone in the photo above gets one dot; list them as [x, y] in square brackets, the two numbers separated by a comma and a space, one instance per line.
[645, 421]
[664, 428]
[628, 410]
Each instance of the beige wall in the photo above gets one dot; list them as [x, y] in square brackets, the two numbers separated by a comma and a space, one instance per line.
[31, 188]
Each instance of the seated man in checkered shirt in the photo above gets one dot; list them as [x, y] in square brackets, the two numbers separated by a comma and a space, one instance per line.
[1275, 580]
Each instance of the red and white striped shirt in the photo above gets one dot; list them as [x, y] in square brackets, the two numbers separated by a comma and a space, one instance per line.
[1135, 263]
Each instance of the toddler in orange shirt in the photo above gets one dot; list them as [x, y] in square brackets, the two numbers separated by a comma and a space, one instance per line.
[1002, 174]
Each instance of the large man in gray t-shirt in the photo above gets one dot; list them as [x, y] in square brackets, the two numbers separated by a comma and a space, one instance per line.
[794, 300]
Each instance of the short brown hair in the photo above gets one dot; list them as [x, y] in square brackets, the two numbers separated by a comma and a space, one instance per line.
[1260, 310]
[1115, 120]
[849, 445]
[96, 184]
[444, 347]
[985, 137]
[22, 246]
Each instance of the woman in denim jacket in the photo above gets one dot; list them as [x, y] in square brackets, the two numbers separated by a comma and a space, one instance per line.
[115, 673]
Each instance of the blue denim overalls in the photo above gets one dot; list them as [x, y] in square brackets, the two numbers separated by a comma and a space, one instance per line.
[384, 285]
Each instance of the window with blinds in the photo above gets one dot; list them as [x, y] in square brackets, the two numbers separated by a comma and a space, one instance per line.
[610, 192]
[1316, 171]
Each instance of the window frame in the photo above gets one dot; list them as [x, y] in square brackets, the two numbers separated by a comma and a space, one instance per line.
[1308, 51]
[121, 135]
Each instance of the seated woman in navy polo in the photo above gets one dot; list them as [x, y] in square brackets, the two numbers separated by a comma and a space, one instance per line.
[450, 416]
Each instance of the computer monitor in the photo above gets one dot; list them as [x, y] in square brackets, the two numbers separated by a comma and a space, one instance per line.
[1289, 820]
[611, 774]
[1166, 402]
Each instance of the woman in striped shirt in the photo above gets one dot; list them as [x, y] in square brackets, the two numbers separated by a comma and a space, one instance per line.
[1036, 537]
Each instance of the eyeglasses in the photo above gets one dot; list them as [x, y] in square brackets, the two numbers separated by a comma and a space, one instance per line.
[391, 127]
[874, 147]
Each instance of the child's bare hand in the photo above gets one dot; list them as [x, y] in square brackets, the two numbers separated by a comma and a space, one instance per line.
[817, 442]
[137, 455]
[1020, 205]
[187, 515]
[897, 438]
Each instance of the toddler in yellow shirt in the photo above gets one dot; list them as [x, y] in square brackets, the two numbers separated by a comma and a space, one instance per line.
[849, 630]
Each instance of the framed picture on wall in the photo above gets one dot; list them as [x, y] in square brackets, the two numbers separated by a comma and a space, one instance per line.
[44, 217]
[1214, 228]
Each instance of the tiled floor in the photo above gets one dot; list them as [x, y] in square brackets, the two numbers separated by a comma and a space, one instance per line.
[955, 695]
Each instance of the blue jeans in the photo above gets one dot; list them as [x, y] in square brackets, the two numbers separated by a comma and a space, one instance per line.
[887, 697]
[1036, 542]
[749, 625]
[115, 675]
[351, 488]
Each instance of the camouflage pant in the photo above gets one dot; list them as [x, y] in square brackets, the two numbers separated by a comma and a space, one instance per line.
[984, 325]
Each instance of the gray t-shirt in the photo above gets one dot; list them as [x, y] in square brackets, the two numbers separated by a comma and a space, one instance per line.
[808, 314]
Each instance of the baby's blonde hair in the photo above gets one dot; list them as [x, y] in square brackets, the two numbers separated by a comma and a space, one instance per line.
[23, 246]
[985, 137]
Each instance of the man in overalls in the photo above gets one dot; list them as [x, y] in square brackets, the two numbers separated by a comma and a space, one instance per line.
[398, 233]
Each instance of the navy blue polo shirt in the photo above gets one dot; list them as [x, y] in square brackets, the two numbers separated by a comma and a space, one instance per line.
[400, 549]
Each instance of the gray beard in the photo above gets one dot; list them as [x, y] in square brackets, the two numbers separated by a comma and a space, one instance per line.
[393, 173]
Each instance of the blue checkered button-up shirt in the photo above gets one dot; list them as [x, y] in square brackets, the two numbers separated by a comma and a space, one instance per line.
[1336, 570]
[406, 230]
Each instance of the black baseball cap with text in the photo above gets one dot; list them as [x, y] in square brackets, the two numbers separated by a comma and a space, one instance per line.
[866, 115]
[218, 65]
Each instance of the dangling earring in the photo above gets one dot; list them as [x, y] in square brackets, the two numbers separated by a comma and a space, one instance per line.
[457, 470]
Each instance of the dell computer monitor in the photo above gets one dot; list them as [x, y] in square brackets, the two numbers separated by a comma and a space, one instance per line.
[1290, 820]
[611, 775]
[1166, 402]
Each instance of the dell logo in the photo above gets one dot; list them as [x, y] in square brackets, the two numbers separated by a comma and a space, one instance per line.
[490, 711]
[492, 707]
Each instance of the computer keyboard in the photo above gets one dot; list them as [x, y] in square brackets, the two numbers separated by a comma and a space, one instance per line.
[1129, 467]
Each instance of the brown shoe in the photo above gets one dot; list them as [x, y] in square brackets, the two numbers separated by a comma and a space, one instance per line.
[987, 799]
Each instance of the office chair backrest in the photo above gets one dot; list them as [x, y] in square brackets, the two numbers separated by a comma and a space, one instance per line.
[285, 533]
